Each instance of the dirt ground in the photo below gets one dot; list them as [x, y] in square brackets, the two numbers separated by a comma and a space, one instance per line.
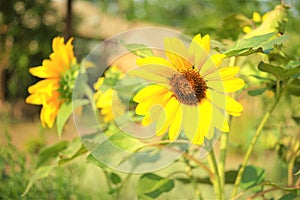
[21, 122]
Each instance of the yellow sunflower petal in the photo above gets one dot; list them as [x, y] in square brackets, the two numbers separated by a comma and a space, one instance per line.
[154, 60]
[150, 92]
[233, 84]
[205, 114]
[153, 77]
[48, 114]
[199, 50]
[146, 121]
[169, 109]
[219, 120]
[225, 102]
[46, 86]
[217, 59]
[43, 72]
[178, 54]
[190, 119]
[224, 73]
[143, 107]
[175, 127]
[208, 67]
[37, 99]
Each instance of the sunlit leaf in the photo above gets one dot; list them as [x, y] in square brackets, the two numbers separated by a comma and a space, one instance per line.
[50, 152]
[152, 186]
[260, 43]
[118, 146]
[140, 50]
[66, 111]
[74, 148]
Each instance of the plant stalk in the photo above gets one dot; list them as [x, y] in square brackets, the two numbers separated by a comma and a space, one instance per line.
[217, 180]
[251, 147]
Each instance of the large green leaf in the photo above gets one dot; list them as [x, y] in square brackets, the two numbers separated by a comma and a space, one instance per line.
[50, 152]
[140, 50]
[118, 146]
[66, 111]
[252, 177]
[151, 186]
[260, 43]
[277, 71]
[74, 149]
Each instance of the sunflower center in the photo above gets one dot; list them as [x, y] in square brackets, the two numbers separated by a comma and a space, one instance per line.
[188, 87]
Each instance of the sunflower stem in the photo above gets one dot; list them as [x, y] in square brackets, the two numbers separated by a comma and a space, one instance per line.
[251, 147]
[224, 141]
[189, 172]
[217, 179]
[222, 159]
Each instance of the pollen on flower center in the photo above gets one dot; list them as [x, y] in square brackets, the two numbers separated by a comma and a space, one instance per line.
[188, 87]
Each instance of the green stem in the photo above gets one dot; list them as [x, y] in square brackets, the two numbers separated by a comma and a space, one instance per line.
[223, 153]
[193, 179]
[224, 142]
[290, 180]
[217, 181]
[251, 147]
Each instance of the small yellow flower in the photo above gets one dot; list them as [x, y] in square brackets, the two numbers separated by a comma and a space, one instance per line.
[256, 17]
[189, 90]
[107, 99]
[48, 92]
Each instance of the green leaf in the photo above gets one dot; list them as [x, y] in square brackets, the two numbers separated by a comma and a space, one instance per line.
[91, 159]
[269, 45]
[294, 88]
[292, 72]
[290, 196]
[118, 146]
[66, 111]
[40, 173]
[140, 50]
[252, 178]
[50, 152]
[260, 43]
[115, 178]
[277, 71]
[256, 92]
[74, 149]
[151, 185]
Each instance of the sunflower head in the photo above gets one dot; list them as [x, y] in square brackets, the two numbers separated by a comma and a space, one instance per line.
[191, 88]
[58, 76]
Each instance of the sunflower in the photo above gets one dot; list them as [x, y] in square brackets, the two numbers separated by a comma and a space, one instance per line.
[59, 74]
[188, 90]
[106, 97]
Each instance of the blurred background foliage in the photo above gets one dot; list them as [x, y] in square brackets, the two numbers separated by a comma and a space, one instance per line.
[26, 27]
